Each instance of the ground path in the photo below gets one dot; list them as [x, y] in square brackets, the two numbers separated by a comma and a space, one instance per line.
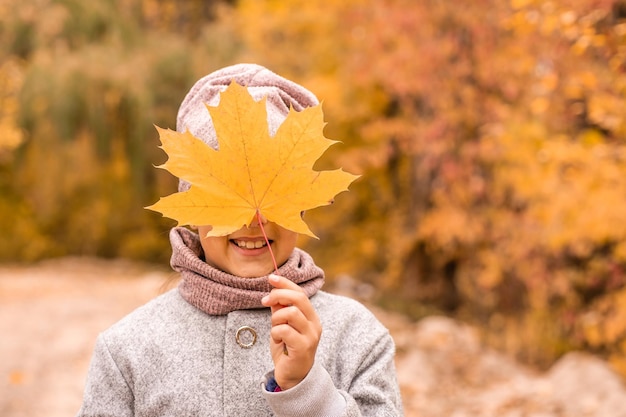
[51, 313]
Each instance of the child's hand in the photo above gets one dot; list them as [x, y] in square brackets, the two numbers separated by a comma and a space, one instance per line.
[296, 331]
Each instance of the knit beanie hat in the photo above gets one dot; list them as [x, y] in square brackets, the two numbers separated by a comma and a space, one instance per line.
[280, 92]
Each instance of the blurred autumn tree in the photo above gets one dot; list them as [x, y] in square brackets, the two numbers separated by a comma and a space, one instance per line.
[490, 134]
[91, 79]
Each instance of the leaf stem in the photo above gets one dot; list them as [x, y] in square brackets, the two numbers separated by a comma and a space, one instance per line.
[258, 217]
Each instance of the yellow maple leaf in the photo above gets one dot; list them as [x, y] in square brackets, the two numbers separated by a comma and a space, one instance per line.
[252, 172]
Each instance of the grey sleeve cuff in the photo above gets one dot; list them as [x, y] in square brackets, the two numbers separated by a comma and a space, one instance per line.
[314, 396]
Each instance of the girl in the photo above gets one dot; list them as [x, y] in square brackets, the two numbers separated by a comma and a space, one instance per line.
[235, 339]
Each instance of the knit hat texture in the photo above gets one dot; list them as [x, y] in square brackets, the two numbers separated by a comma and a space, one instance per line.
[280, 92]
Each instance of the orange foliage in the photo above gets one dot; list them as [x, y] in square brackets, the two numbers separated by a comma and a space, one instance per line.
[11, 78]
[491, 136]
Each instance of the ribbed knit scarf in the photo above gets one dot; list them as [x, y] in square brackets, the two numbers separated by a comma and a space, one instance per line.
[216, 292]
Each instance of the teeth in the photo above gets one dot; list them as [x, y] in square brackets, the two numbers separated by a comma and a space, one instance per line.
[250, 245]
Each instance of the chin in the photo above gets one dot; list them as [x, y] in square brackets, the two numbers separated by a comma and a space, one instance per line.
[254, 273]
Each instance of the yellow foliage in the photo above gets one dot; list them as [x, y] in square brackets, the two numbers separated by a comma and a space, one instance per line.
[605, 110]
[520, 4]
[618, 361]
[491, 136]
[448, 227]
[604, 326]
[555, 179]
[490, 269]
[11, 79]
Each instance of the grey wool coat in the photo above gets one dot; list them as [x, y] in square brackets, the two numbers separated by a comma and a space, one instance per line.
[169, 358]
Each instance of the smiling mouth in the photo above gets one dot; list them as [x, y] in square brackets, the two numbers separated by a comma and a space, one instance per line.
[250, 244]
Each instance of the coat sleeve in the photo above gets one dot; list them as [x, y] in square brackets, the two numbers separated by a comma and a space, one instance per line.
[107, 392]
[314, 396]
[358, 378]
[374, 390]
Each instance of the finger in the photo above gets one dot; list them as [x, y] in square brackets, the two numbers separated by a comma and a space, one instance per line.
[291, 316]
[282, 283]
[277, 281]
[294, 317]
[295, 342]
[286, 297]
[280, 298]
[288, 293]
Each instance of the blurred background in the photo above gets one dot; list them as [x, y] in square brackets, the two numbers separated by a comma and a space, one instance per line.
[491, 137]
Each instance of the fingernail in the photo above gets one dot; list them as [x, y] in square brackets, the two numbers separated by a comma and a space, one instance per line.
[274, 277]
[265, 299]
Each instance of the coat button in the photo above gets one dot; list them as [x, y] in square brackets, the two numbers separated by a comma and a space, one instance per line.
[245, 337]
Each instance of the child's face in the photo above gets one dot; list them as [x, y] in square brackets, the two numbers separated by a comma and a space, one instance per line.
[244, 253]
